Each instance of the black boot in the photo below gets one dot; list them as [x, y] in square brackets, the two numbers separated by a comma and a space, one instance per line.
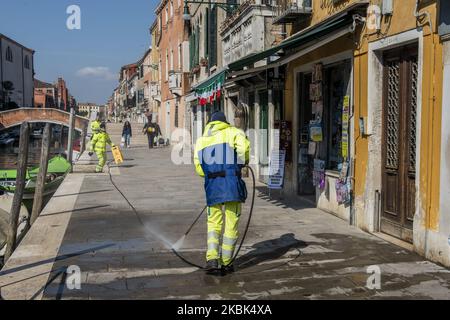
[212, 267]
[227, 269]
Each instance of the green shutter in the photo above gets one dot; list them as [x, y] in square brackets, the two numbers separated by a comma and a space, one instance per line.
[206, 46]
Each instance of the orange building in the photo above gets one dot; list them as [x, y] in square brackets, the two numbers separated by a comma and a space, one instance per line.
[173, 46]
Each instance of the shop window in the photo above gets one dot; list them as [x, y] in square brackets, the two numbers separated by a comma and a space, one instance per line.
[336, 89]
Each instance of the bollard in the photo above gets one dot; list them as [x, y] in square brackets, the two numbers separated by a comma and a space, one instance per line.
[20, 187]
[40, 185]
[70, 138]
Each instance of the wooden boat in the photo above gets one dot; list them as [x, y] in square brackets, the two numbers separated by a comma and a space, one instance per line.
[58, 167]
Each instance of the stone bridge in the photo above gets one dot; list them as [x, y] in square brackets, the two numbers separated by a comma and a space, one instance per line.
[12, 118]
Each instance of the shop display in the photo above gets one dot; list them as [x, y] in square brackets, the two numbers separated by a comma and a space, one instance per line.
[316, 133]
[345, 127]
[312, 148]
[317, 75]
[342, 192]
[319, 173]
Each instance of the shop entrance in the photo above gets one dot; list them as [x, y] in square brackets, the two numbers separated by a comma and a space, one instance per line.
[327, 110]
[305, 161]
[399, 136]
[263, 135]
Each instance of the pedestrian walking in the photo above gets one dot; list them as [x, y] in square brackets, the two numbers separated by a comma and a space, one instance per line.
[152, 130]
[220, 155]
[98, 144]
[127, 134]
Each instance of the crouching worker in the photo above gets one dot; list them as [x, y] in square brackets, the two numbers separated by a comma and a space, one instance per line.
[220, 155]
[98, 145]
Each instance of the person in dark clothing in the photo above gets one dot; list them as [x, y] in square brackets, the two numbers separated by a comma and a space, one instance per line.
[127, 134]
[152, 130]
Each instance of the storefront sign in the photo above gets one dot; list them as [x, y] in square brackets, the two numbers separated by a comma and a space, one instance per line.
[276, 169]
[345, 126]
[285, 138]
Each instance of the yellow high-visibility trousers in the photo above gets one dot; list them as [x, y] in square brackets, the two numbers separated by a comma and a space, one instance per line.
[230, 236]
[101, 155]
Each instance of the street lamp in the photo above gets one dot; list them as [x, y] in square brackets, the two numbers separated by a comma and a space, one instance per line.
[186, 13]
[228, 7]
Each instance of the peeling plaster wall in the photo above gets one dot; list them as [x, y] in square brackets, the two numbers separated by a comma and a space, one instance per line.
[438, 243]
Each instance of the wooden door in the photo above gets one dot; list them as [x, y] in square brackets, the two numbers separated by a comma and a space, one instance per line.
[399, 147]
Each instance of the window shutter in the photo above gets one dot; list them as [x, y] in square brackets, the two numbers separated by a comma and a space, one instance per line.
[213, 37]
[206, 45]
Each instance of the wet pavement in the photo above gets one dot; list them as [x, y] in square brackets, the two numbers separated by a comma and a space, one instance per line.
[292, 251]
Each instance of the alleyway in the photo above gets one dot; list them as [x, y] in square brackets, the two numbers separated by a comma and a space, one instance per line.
[291, 252]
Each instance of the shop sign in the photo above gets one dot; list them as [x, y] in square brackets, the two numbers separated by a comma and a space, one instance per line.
[276, 169]
[345, 126]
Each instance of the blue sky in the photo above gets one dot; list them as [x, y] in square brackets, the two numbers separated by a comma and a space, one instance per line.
[113, 33]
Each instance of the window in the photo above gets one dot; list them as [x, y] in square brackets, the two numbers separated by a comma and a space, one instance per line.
[160, 68]
[167, 15]
[167, 64]
[171, 59]
[9, 54]
[27, 62]
[176, 115]
[171, 9]
[179, 56]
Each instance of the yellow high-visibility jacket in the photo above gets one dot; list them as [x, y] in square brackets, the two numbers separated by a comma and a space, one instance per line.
[220, 154]
[99, 142]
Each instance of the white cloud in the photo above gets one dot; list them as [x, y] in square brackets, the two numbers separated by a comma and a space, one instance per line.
[97, 72]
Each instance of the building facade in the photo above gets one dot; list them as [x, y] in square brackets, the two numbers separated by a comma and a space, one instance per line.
[16, 74]
[173, 49]
[45, 95]
[363, 105]
[155, 72]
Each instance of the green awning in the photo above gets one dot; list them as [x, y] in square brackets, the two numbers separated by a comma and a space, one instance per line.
[210, 84]
[301, 39]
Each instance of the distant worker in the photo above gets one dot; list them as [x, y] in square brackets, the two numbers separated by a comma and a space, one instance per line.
[95, 126]
[152, 130]
[220, 155]
[98, 144]
[127, 134]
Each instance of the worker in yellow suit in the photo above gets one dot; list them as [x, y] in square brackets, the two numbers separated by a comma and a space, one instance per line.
[220, 155]
[95, 126]
[98, 145]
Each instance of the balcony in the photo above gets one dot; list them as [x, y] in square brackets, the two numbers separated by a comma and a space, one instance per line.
[289, 11]
[176, 82]
[155, 91]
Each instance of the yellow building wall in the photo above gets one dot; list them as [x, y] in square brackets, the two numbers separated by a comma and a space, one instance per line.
[402, 20]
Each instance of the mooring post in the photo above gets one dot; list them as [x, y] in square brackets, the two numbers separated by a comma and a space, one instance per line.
[70, 138]
[20, 187]
[83, 140]
[43, 166]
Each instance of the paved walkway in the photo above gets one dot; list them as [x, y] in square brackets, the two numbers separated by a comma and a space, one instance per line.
[292, 251]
